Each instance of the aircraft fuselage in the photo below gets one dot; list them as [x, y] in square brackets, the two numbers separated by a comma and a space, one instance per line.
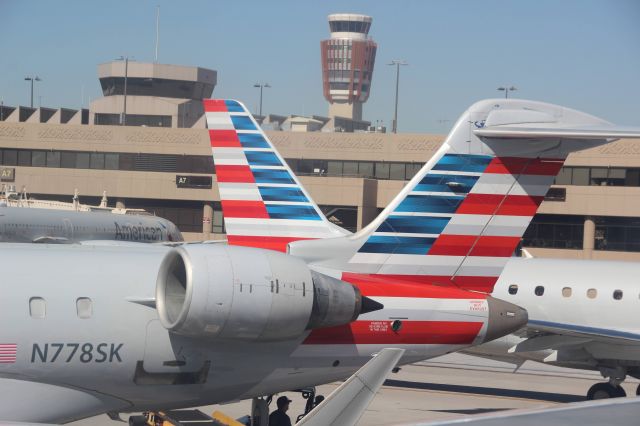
[26, 225]
[85, 318]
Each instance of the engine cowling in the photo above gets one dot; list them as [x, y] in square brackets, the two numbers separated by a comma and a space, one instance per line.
[240, 293]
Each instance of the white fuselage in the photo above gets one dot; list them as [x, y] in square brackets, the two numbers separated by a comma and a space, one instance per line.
[591, 304]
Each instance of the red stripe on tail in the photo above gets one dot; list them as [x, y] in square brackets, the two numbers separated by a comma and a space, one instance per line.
[473, 245]
[214, 105]
[224, 139]
[527, 166]
[239, 174]
[490, 204]
[452, 245]
[246, 209]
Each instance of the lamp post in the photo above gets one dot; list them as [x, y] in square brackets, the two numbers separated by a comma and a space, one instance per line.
[32, 79]
[506, 90]
[123, 120]
[261, 86]
[397, 63]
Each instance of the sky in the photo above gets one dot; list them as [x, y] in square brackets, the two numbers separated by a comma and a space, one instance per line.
[583, 54]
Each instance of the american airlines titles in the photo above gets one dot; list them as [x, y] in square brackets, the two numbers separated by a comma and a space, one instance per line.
[139, 232]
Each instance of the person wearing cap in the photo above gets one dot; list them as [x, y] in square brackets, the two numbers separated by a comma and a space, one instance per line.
[279, 417]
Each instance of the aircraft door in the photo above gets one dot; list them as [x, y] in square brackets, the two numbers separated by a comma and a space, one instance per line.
[170, 359]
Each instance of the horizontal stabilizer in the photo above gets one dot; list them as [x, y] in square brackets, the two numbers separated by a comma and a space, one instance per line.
[524, 131]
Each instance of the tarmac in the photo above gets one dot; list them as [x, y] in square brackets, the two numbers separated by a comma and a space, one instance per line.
[450, 387]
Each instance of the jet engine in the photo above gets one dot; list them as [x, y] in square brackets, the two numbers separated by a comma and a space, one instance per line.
[240, 293]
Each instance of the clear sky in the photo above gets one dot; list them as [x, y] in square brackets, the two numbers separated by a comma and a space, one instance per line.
[579, 53]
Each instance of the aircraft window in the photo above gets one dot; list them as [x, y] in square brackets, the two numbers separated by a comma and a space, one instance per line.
[566, 291]
[539, 290]
[37, 307]
[84, 307]
[617, 294]
[592, 293]
[513, 289]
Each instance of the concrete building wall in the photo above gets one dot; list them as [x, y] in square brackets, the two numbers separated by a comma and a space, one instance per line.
[367, 195]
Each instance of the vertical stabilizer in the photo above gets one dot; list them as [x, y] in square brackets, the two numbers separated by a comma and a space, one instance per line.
[461, 217]
[263, 203]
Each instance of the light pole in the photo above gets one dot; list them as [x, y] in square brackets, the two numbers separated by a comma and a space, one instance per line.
[261, 86]
[123, 120]
[32, 79]
[397, 63]
[506, 90]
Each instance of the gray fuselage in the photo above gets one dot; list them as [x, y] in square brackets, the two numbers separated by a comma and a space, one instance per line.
[28, 225]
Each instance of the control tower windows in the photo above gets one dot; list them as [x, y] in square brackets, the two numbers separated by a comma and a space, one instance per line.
[349, 27]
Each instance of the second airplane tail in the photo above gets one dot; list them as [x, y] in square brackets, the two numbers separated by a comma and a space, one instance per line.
[457, 222]
[263, 203]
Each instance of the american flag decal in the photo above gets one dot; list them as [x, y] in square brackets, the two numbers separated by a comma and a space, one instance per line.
[8, 353]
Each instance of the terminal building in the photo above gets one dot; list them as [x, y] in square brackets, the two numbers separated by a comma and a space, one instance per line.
[158, 158]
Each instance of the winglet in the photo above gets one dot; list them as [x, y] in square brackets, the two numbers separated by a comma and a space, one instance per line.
[347, 403]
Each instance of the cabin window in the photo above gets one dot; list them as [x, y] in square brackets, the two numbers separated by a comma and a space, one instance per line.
[592, 293]
[513, 289]
[84, 307]
[539, 290]
[617, 294]
[37, 307]
[566, 291]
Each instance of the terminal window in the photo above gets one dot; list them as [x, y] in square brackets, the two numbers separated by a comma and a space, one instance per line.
[555, 231]
[599, 176]
[108, 161]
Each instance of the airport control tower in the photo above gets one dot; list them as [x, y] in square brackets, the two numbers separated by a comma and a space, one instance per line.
[347, 64]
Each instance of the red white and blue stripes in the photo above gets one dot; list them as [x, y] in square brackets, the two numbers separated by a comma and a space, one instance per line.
[263, 203]
[460, 222]
[8, 353]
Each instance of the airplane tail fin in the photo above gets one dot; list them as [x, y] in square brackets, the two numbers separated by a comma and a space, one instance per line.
[263, 203]
[460, 218]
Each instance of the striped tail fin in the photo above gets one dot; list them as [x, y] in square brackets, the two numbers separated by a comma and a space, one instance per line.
[457, 222]
[263, 203]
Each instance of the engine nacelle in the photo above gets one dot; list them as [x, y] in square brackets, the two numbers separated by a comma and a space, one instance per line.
[240, 293]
